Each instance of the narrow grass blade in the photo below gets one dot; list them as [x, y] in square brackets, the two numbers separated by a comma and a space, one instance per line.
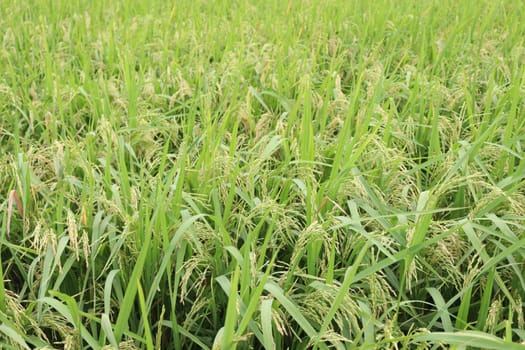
[266, 323]
[12, 334]
[470, 338]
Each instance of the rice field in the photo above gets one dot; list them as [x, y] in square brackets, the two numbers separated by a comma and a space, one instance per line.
[240, 174]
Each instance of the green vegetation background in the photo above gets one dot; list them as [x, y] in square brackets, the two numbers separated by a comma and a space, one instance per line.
[262, 174]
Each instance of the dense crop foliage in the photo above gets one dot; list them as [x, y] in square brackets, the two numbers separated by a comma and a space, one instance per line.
[262, 174]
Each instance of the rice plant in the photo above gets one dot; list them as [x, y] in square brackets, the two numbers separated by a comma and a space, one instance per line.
[262, 174]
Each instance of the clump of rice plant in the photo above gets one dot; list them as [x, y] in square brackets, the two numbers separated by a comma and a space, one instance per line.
[262, 175]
